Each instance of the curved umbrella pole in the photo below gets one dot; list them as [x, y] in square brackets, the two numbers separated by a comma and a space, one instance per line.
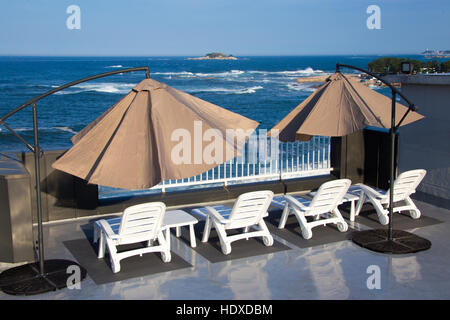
[33, 278]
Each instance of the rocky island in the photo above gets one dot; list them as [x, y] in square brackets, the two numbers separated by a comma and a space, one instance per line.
[215, 56]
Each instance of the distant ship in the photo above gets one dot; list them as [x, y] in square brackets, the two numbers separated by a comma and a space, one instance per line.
[436, 53]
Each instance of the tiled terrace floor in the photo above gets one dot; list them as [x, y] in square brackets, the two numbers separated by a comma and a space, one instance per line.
[332, 271]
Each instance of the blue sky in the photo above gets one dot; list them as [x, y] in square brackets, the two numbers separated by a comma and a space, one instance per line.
[244, 27]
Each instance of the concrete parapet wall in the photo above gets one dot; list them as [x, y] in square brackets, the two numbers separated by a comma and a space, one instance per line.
[426, 144]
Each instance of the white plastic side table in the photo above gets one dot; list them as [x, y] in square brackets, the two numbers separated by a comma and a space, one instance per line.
[177, 219]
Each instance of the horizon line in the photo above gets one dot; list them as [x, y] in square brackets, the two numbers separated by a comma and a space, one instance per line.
[190, 55]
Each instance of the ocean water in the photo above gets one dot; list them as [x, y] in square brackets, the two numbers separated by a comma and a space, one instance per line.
[261, 88]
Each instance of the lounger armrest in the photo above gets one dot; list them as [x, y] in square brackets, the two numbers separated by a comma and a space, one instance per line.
[213, 213]
[106, 228]
[294, 202]
[370, 191]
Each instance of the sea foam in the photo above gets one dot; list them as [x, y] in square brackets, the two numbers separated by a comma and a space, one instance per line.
[300, 87]
[42, 129]
[225, 90]
[105, 87]
[301, 72]
[187, 74]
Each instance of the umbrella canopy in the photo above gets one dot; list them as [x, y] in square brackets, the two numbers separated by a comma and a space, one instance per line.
[132, 144]
[339, 107]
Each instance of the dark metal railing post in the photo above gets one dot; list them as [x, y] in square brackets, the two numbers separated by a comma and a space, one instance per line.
[37, 172]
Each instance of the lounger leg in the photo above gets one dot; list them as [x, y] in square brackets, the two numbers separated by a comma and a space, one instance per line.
[284, 216]
[113, 257]
[165, 253]
[167, 240]
[115, 265]
[246, 231]
[342, 225]
[192, 236]
[414, 211]
[381, 211]
[352, 210]
[267, 238]
[178, 232]
[306, 230]
[226, 247]
[206, 230]
[362, 199]
[101, 246]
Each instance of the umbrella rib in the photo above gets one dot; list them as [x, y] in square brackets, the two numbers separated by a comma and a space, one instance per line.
[177, 98]
[317, 97]
[352, 113]
[363, 101]
[100, 157]
[153, 131]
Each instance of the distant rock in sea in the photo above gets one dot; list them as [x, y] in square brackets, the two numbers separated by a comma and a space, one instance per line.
[215, 56]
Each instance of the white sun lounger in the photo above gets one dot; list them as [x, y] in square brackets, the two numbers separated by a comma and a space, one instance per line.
[405, 185]
[352, 196]
[322, 207]
[138, 223]
[247, 213]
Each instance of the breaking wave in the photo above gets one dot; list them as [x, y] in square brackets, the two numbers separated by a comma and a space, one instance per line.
[226, 90]
[181, 73]
[374, 87]
[300, 87]
[221, 74]
[106, 87]
[66, 129]
[302, 72]
[187, 74]
[42, 129]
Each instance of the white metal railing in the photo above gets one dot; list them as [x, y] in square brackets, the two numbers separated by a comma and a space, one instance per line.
[273, 160]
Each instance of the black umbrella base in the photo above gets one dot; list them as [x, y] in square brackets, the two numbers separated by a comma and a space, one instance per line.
[27, 280]
[402, 242]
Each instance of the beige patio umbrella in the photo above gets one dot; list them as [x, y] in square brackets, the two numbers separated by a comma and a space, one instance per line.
[152, 134]
[342, 105]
